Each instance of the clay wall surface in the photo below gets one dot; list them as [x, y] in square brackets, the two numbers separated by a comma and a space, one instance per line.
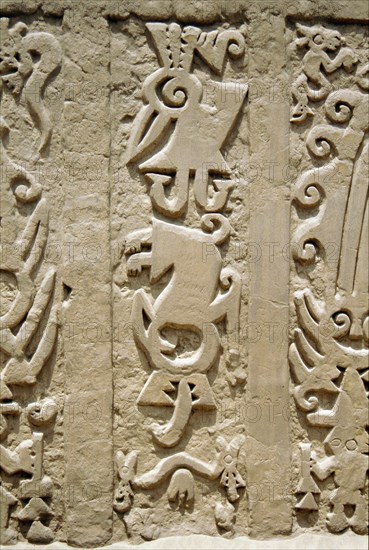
[184, 273]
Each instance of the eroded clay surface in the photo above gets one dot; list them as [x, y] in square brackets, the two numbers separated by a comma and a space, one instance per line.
[184, 273]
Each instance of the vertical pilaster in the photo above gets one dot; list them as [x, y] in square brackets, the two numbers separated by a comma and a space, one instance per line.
[87, 279]
[268, 447]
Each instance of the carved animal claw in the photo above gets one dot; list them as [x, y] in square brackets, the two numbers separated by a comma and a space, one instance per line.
[134, 266]
[181, 488]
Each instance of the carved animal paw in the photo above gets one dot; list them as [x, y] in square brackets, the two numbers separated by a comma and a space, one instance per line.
[181, 488]
[135, 241]
[134, 265]
[132, 247]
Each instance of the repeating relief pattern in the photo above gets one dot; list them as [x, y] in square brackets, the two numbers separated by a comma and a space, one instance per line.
[176, 143]
[186, 291]
[28, 323]
[329, 354]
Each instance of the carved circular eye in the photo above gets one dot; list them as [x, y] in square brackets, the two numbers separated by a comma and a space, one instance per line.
[177, 90]
[42, 413]
[318, 39]
[336, 442]
[174, 94]
[351, 444]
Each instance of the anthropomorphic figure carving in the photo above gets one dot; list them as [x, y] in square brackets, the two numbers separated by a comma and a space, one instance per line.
[347, 456]
[27, 457]
[329, 354]
[312, 84]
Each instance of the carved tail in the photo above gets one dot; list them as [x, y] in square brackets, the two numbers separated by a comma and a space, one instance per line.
[201, 361]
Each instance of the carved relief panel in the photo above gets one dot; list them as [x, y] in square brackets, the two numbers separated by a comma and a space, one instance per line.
[166, 367]
[181, 278]
[30, 397]
[329, 353]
